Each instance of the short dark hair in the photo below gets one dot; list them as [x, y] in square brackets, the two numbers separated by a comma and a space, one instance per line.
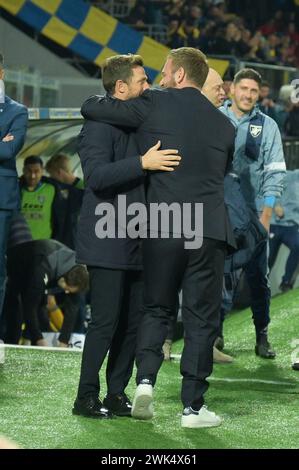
[58, 162]
[77, 277]
[33, 160]
[1, 61]
[266, 84]
[249, 74]
[193, 61]
[119, 67]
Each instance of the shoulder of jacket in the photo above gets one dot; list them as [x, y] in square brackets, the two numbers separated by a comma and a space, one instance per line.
[17, 106]
[269, 122]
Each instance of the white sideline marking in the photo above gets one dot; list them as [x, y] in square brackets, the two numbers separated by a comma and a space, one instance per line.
[227, 379]
[41, 348]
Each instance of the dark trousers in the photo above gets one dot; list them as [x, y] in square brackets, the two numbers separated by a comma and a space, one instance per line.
[288, 236]
[17, 310]
[257, 275]
[116, 303]
[5, 220]
[70, 306]
[169, 266]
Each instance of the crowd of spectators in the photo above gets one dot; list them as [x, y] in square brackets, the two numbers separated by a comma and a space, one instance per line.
[267, 32]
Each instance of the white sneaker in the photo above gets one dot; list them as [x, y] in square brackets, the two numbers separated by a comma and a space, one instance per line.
[199, 419]
[142, 407]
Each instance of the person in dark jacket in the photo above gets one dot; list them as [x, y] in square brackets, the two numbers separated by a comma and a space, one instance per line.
[114, 264]
[181, 117]
[249, 232]
[34, 268]
[71, 190]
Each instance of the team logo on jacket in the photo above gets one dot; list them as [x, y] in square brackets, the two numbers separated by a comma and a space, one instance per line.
[255, 131]
[41, 199]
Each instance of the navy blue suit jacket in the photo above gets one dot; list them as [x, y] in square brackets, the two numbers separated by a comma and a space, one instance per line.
[111, 167]
[13, 120]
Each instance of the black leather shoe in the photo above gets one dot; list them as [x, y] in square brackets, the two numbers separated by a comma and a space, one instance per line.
[295, 366]
[91, 408]
[119, 404]
[263, 349]
[285, 287]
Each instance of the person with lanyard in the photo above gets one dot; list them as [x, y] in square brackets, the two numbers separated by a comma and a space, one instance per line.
[259, 163]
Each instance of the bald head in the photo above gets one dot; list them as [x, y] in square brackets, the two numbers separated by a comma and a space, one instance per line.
[213, 88]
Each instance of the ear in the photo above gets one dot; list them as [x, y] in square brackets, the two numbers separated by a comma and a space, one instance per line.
[232, 89]
[1, 74]
[121, 87]
[180, 75]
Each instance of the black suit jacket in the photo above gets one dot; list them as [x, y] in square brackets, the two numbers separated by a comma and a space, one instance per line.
[182, 119]
[111, 166]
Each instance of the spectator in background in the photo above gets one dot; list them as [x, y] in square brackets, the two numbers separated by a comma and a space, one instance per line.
[285, 229]
[274, 42]
[13, 126]
[71, 189]
[188, 34]
[231, 43]
[227, 82]
[292, 122]
[59, 168]
[259, 163]
[265, 102]
[283, 107]
[272, 49]
[39, 200]
[33, 268]
[71, 193]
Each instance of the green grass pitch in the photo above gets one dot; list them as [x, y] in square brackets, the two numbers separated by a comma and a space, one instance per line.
[257, 398]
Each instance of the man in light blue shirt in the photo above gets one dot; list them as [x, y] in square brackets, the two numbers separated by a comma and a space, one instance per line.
[285, 228]
[259, 163]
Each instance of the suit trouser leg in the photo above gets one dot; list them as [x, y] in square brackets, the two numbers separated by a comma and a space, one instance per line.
[5, 219]
[202, 287]
[164, 264]
[12, 314]
[106, 291]
[229, 287]
[275, 242]
[123, 347]
[291, 240]
[257, 276]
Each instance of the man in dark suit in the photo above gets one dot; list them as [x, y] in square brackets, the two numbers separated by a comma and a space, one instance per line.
[13, 126]
[182, 118]
[114, 264]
